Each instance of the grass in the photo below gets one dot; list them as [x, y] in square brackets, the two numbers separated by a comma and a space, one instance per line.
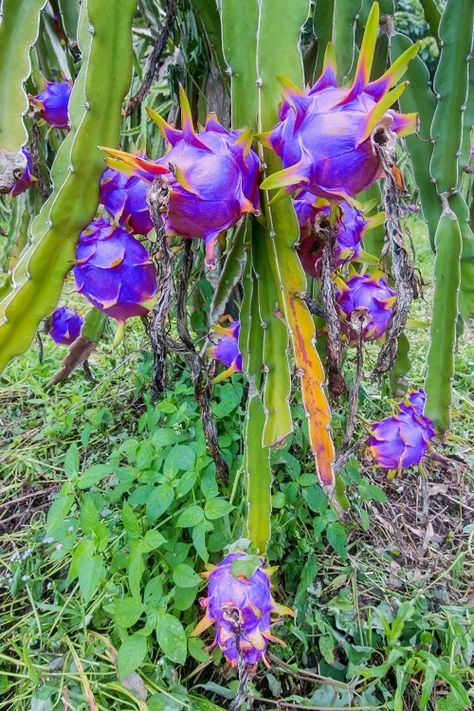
[384, 618]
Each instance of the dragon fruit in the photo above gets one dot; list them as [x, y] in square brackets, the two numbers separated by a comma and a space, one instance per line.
[211, 176]
[313, 216]
[124, 198]
[365, 304]
[114, 271]
[400, 441]
[327, 135]
[52, 103]
[240, 609]
[65, 325]
[226, 350]
[27, 179]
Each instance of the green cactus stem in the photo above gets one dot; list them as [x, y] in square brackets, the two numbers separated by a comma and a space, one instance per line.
[18, 32]
[39, 275]
[447, 275]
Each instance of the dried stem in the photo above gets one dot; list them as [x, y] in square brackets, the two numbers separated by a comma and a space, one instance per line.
[336, 382]
[403, 273]
[157, 197]
[154, 60]
[354, 392]
[158, 325]
[36, 162]
[197, 366]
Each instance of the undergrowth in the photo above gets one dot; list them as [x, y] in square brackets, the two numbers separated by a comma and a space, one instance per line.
[110, 508]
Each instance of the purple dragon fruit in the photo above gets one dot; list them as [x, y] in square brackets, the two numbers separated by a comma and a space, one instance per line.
[65, 325]
[27, 179]
[124, 197]
[226, 350]
[240, 609]
[114, 271]
[212, 177]
[365, 303]
[53, 102]
[400, 441]
[327, 135]
[313, 217]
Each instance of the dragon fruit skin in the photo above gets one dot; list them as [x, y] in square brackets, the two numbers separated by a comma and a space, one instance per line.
[350, 228]
[212, 177]
[367, 296]
[53, 103]
[240, 609]
[400, 441]
[65, 326]
[27, 179]
[325, 137]
[114, 271]
[226, 350]
[124, 198]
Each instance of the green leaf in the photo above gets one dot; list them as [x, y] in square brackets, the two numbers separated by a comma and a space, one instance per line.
[89, 517]
[190, 517]
[153, 591]
[196, 648]
[159, 501]
[91, 574]
[315, 498]
[152, 540]
[245, 566]
[131, 654]
[326, 647]
[136, 567]
[182, 456]
[185, 577]
[72, 461]
[57, 513]
[337, 537]
[130, 521]
[217, 508]
[199, 539]
[370, 492]
[125, 612]
[171, 637]
[93, 475]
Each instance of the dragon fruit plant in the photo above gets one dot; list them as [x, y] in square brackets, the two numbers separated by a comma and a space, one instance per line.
[27, 179]
[314, 218]
[52, 103]
[226, 350]
[365, 305]
[326, 135]
[114, 271]
[65, 325]
[212, 177]
[400, 441]
[124, 198]
[240, 607]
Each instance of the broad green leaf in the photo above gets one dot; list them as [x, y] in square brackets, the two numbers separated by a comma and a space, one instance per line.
[125, 612]
[199, 539]
[130, 521]
[131, 654]
[183, 457]
[185, 577]
[337, 537]
[152, 540]
[171, 637]
[217, 508]
[91, 574]
[159, 501]
[72, 461]
[190, 517]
